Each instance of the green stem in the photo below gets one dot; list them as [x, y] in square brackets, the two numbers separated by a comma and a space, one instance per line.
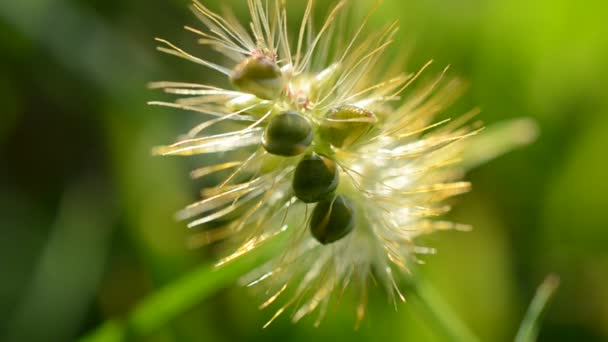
[185, 293]
[174, 299]
[442, 317]
[528, 330]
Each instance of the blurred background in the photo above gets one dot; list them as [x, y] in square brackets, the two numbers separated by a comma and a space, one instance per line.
[86, 213]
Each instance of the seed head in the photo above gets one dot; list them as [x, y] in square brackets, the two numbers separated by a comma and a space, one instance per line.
[322, 143]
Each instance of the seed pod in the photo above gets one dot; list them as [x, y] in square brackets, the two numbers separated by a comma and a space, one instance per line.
[342, 126]
[288, 134]
[316, 178]
[258, 76]
[332, 219]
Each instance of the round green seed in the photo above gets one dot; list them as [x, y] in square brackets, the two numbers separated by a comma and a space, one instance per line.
[342, 126]
[316, 178]
[332, 219]
[258, 76]
[288, 134]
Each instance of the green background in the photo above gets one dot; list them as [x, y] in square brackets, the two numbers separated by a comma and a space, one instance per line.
[86, 214]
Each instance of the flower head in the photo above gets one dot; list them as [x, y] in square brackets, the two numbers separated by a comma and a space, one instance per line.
[323, 143]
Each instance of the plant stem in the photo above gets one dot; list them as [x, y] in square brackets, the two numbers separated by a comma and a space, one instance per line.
[187, 292]
[174, 299]
[528, 331]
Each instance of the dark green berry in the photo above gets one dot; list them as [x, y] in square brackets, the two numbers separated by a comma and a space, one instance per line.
[316, 178]
[288, 134]
[332, 219]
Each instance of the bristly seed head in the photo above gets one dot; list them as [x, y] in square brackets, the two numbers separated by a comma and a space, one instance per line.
[377, 167]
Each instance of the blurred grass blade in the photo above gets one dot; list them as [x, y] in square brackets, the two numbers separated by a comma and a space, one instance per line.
[498, 139]
[176, 298]
[66, 275]
[528, 331]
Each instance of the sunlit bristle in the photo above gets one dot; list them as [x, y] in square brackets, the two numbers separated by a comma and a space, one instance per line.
[323, 149]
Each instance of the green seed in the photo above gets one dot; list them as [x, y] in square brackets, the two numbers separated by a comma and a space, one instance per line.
[288, 134]
[332, 219]
[342, 126]
[316, 178]
[258, 76]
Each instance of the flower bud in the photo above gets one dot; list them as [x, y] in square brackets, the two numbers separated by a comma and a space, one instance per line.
[316, 178]
[258, 76]
[332, 219]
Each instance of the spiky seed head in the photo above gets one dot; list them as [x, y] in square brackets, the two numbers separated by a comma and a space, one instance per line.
[377, 168]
